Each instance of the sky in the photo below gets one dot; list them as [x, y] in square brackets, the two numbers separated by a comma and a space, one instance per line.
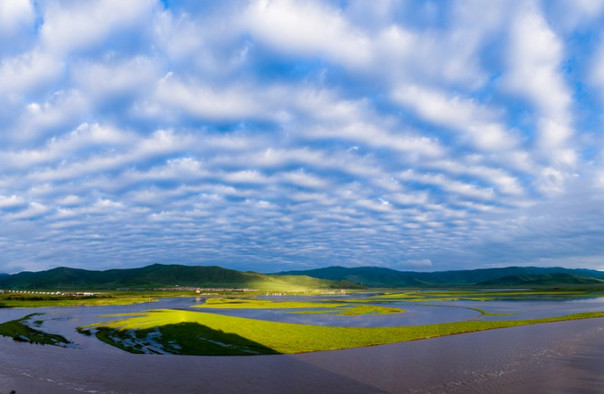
[274, 135]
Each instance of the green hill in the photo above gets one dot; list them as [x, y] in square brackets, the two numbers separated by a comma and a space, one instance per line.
[388, 278]
[542, 280]
[158, 276]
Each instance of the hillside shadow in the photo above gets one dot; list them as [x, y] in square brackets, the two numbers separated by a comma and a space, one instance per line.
[182, 338]
[194, 338]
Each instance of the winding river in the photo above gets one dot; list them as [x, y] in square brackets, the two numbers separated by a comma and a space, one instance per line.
[553, 357]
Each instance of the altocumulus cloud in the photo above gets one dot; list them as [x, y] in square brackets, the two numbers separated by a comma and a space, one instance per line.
[283, 134]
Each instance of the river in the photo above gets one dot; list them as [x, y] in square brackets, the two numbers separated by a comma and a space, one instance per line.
[553, 357]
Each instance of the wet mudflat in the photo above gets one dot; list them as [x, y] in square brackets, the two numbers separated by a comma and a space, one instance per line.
[555, 357]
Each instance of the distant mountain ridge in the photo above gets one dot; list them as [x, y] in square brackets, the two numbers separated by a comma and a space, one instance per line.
[385, 277]
[158, 276]
[557, 278]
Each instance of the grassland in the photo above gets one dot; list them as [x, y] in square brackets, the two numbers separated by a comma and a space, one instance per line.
[202, 333]
[250, 303]
[336, 308]
[116, 297]
[182, 332]
[165, 276]
[12, 299]
[356, 310]
[20, 330]
[485, 295]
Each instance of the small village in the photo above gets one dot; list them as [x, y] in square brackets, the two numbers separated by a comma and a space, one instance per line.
[55, 293]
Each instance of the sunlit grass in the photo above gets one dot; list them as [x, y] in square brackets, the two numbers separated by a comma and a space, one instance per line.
[242, 303]
[117, 297]
[356, 310]
[318, 307]
[296, 338]
[484, 295]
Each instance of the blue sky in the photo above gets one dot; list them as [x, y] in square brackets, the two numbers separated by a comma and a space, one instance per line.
[278, 135]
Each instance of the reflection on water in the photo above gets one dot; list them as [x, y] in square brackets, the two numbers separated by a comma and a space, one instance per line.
[65, 320]
[532, 309]
[517, 359]
[414, 314]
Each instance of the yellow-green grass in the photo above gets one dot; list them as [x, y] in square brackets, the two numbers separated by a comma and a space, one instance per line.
[290, 338]
[287, 284]
[338, 308]
[117, 297]
[75, 301]
[485, 313]
[483, 295]
[20, 331]
[242, 303]
[355, 310]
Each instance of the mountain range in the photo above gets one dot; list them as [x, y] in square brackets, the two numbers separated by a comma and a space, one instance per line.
[161, 276]
[508, 276]
[164, 276]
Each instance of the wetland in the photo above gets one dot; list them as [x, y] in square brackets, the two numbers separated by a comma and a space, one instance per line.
[263, 329]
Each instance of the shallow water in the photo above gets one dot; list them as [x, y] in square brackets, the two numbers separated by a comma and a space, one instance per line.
[414, 314]
[532, 309]
[65, 320]
[555, 357]
[419, 313]
[539, 358]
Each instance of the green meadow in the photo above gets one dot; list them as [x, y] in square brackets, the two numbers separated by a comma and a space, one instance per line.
[484, 295]
[21, 330]
[252, 303]
[201, 333]
[116, 297]
[315, 307]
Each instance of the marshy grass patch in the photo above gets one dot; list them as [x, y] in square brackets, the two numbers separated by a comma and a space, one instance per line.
[180, 327]
[345, 308]
[21, 331]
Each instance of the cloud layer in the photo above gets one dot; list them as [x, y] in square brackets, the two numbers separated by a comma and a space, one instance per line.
[274, 135]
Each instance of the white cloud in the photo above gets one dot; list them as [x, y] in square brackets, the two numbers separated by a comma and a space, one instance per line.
[11, 201]
[479, 123]
[14, 14]
[596, 72]
[302, 178]
[303, 133]
[578, 14]
[70, 199]
[534, 59]
[29, 71]
[201, 101]
[410, 198]
[551, 181]
[501, 179]
[33, 210]
[245, 176]
[114, 78]
[85, 136]
[307, 28]
[449, 185]
[372, 135]
[62, 110]
[74, 26]
[435, 56]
